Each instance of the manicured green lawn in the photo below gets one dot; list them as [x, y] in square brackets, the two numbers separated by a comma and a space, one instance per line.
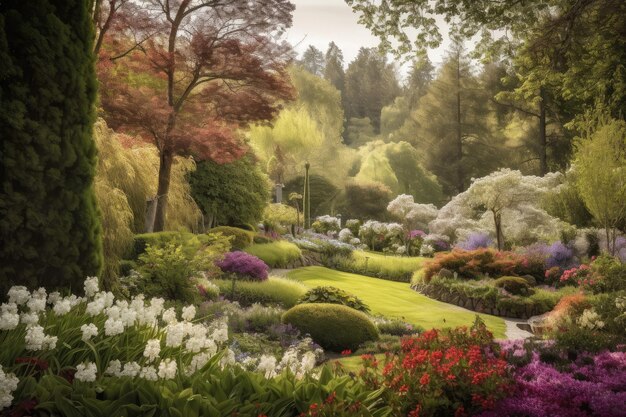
[396, 299]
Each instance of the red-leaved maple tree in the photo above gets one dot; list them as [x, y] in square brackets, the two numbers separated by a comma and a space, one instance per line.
[188, 74]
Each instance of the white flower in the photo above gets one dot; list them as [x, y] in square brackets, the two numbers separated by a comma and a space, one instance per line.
[175, 333]
[620, 303]
[62, 306]
[114, 368]
[29, 318]
[345, 235]
[308, 362]
[9, 317]
[590, 320]
[36, 339]
[8, 384]
[198, 361]
[228, 358]
[113, 327]
[152, 350]
[113, 312]
[53, 297]
[401, 250]
[18, 295]
[148, 373]
[220, 334]
[89, 330]
[91, 286]
[189, 313]
[86, 372]
[131, 369]
[167, 369]
[195, 343]
[37, 301]
[169, 316]
[267, 365]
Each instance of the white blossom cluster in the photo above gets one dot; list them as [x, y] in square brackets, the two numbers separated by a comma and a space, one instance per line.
[414, 215]
[8, 384]
[329, 222]
[345, 235]
[590, 320]
[298, 359]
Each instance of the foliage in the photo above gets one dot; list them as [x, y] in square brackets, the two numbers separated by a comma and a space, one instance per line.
[132, 168]
[601, 180]
[332, 295]
[396, 327]
[244, 266]
[388, 267]
[480, 262]
[171, 270]
[325, 224]
[323, 192]
[279, 254]
[190, 242]
[379, 236]
[50, 231]
[370, 84]
[334, 327]
[277, 217]
[366, 200]
[412, 215]
[514, 285]
[232, 193]
[274, 290]
[449, 372]
[237, 79]
[240, 238]
[609, 274]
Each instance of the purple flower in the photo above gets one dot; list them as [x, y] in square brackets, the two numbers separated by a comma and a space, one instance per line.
[244, 265]
[414, 234]
[559, 255]
[475, 241]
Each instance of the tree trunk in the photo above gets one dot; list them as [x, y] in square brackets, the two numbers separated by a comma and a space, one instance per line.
[543, 142]
[165, 169]
[459, 133]
[497, 220]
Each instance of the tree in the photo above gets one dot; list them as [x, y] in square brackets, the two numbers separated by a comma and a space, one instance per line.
[412, 214]
[313, 61]
[601, 174]
[333, 70]
[231, 194]
[323, 193]
[503, 199]
[207, 69]
[51, 235]
[366, 200]
[370, 84]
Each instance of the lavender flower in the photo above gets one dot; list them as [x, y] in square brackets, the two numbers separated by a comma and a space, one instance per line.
[244, 266]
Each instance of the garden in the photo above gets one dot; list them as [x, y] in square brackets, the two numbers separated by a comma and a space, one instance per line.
[202, 217]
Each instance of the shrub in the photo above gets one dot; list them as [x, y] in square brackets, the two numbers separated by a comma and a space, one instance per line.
[475, 241]
[476, 263]
[260, 239]
[325, 224]
[279, 217]
[514, 285]
[332, 295]
[244, 266]
[279, 254]
[240, 238]
[334, 327]
[441, 373]
[396, 327]
[49, 228]
[168, 272]
[281, 291]
[609, 274]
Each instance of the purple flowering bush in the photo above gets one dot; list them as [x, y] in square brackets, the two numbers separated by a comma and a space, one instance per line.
[244, 266]
[475, 241]
[589, 386]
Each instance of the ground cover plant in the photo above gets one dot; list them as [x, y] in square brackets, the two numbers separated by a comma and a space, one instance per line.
[395, 299]
[278, 254]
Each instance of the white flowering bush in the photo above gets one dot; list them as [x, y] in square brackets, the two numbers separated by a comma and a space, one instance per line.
[326, 224]
[413, 215]
[379, 235]
[591, 320]
[99, 336]
[345, 235]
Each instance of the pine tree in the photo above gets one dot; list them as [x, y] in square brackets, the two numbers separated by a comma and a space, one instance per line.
[49, 226]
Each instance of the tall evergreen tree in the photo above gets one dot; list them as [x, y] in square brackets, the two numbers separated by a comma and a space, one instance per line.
[333, 70]
[313, 61]
[49, 224]
[371, 83]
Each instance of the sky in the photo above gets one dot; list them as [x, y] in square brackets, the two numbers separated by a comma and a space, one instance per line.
[318, 22]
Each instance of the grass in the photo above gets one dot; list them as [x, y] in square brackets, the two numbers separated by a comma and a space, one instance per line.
[274, 290]
[396, 299]
[379, 265]
[277, 254]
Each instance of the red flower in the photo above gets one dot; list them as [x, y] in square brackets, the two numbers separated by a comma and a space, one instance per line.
[425, 379]
[346, 352]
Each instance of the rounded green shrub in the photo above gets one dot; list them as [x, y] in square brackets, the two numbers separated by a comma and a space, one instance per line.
[514, 285]
[333, 295]
[260, 239]
[335, 327]
[240, 238]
